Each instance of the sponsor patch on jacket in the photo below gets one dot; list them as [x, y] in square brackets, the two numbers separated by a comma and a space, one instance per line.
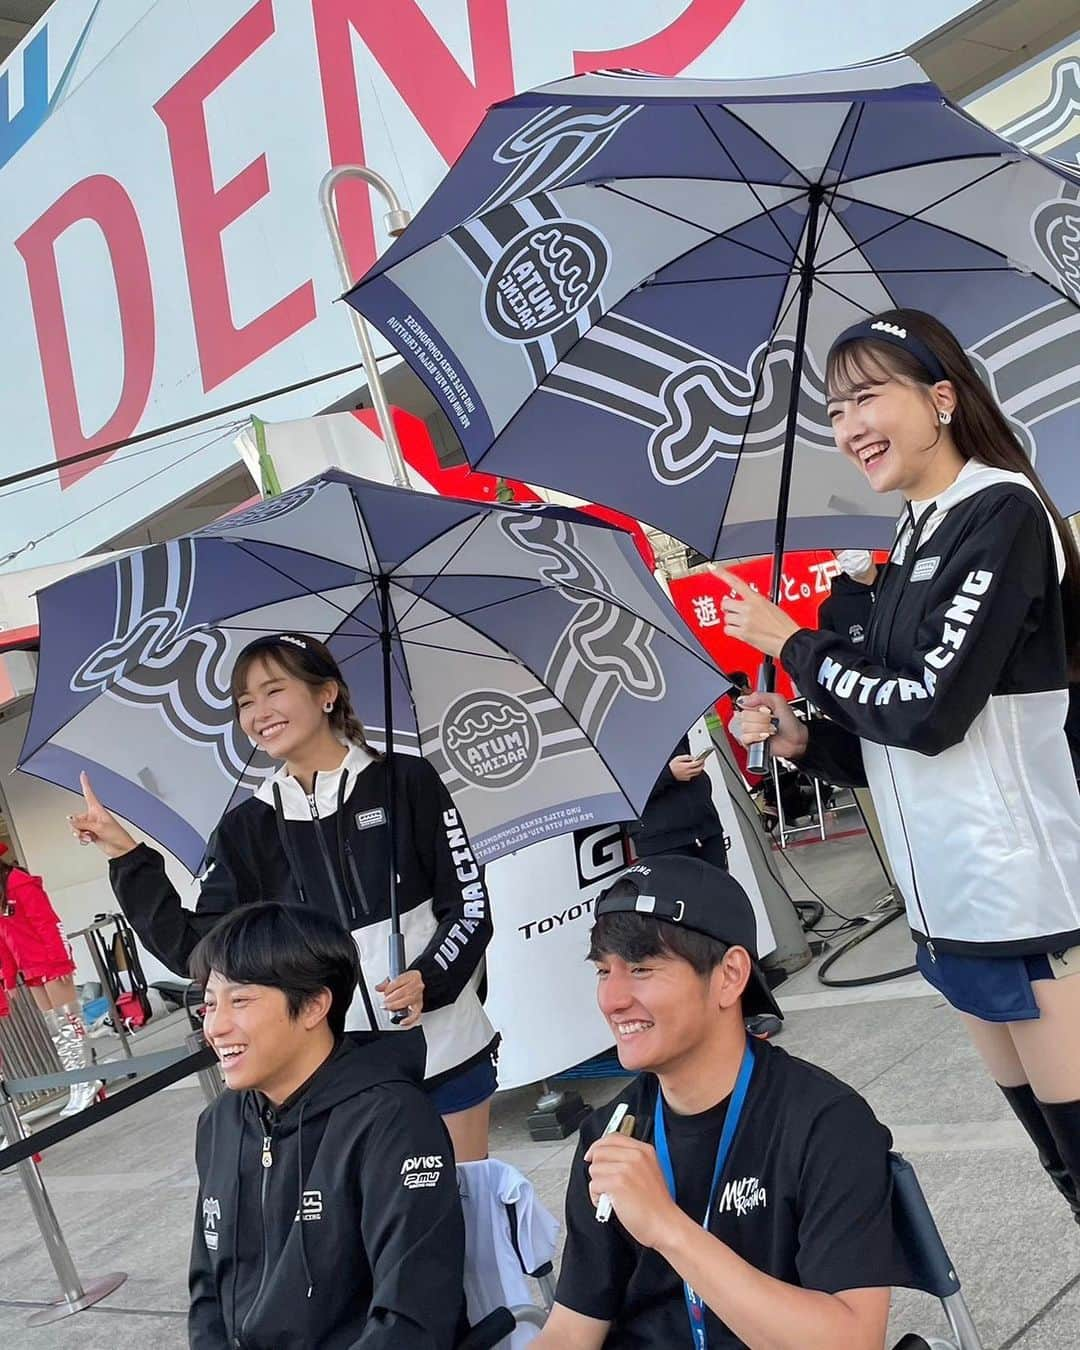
[924, 569]
[418, 1173]
[365, 820]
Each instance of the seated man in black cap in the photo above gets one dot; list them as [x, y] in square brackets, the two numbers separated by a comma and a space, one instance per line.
[751, 1203]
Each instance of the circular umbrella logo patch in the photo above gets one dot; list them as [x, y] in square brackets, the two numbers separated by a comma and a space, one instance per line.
[491, 739]
[545, 276]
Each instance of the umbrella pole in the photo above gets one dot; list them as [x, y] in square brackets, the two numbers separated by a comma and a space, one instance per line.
[756, 756]
[397, 942]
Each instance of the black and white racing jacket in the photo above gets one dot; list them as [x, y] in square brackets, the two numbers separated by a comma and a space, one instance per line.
[330, 850]
[953, 713]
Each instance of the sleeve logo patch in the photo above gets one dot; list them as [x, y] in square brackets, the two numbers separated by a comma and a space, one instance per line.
[420, 1173]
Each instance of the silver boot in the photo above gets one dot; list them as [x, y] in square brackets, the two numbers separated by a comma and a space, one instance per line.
[75, 1053]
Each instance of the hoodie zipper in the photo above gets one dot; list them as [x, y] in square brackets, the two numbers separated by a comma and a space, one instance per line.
[264, 1184]
[348, 915]
[348, 918]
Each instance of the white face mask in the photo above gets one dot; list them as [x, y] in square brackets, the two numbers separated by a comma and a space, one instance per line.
[854, 561]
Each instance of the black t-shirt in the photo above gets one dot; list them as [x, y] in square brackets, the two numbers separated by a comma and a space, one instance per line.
[805, 1197]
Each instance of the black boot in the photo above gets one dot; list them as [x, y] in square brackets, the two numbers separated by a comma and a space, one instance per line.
[1064, 1121]
[1036, 1120]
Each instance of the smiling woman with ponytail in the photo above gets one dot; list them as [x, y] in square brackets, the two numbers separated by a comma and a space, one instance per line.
[954, 709]
[316, 834]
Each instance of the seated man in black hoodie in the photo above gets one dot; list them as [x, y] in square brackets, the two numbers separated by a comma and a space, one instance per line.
[328, 1211]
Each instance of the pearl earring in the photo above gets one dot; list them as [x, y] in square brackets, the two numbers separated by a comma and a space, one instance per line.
[944, 418]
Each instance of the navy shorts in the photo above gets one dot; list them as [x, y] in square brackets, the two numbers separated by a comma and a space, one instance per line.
[992, 988]
[468, 1088]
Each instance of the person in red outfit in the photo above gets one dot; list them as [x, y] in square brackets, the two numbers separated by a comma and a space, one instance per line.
[33, 937]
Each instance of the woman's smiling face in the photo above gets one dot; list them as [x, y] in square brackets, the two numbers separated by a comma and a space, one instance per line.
[886, 424]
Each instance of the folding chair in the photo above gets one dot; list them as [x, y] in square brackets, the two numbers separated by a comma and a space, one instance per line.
[510, 1237]
[931, 1269]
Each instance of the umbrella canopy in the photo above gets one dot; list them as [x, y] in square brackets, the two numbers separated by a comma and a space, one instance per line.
[533, 659]
[610, 290]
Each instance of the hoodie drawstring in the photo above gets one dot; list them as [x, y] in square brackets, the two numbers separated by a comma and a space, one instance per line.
[287, 844]
[300, 1198]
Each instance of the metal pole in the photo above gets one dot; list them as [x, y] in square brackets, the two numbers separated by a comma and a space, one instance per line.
[396, 220]
[75, 1297]
[92, 934]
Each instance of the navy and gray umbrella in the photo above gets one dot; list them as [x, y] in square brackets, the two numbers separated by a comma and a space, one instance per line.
[528, 654]
[610, 290]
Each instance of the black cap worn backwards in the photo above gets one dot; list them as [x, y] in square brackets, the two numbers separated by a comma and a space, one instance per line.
[694, 894]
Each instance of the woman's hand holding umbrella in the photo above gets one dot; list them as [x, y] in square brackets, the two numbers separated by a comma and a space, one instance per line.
[405, 994]
[96, 825]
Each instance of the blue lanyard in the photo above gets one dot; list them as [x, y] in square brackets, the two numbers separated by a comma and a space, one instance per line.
[695, 1304]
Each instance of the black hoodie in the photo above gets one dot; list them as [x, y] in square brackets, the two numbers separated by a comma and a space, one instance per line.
[848, 608]
[333, 1221]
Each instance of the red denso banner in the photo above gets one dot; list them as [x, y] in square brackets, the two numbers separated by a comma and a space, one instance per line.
[806, 581]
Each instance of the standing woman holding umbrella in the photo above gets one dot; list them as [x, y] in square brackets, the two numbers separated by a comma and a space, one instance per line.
[317, 833]
[953, 710]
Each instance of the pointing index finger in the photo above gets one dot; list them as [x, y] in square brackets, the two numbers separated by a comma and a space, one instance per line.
[736, 583]
[87, 791]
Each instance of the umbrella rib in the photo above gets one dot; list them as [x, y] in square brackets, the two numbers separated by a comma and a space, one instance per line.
[705, 281]
[746, 181]
[778, 319]
[921, 163]
[362, 527]
[476, 525]
[947, 230]
[348, 613]
[904, 217]
[561, 586]
[910, 271]
[437, 647]
[714, 235]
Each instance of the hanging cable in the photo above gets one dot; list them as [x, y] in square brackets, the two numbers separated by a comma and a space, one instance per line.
[31, 544]
[55, 465]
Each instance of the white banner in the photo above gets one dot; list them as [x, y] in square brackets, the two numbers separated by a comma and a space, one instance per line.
[161, 247]
[542, 991]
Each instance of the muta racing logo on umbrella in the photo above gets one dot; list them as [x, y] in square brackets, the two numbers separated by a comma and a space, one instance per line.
[491, 739]
[545, 276]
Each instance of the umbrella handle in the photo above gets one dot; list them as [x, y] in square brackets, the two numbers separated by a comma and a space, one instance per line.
[757, 757]
[396, 965]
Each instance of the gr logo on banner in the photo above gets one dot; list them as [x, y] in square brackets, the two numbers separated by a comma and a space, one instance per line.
[600, 854]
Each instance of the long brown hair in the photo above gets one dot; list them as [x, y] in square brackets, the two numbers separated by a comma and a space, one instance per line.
[309, 660]
[980, 430]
